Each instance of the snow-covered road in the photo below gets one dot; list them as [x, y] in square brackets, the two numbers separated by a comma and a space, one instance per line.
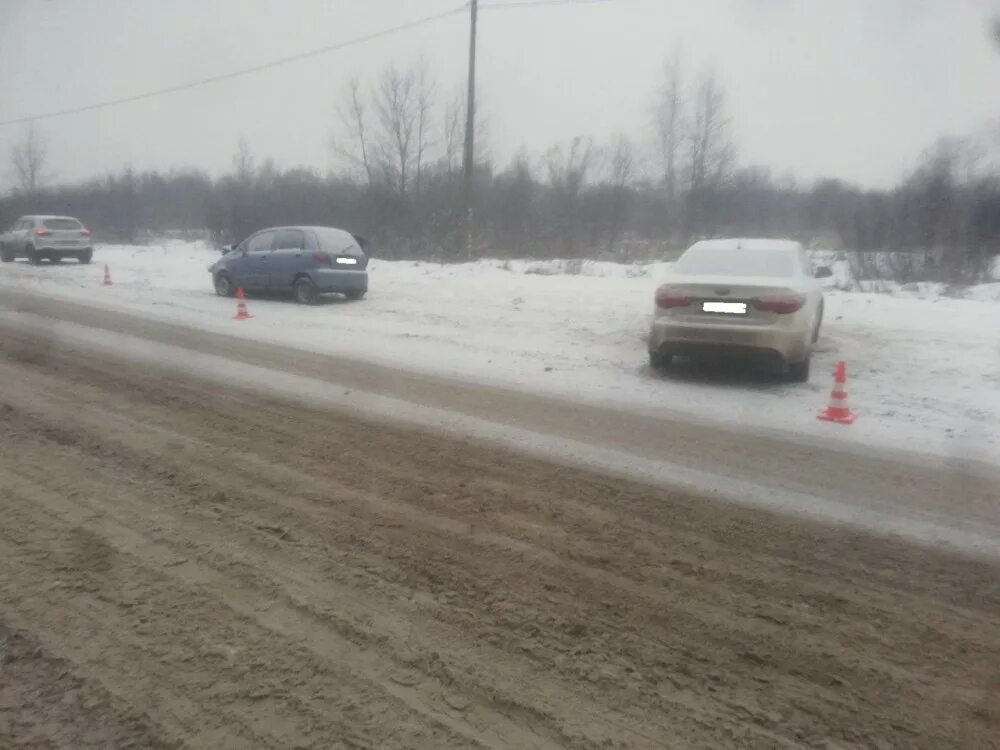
[924, 369]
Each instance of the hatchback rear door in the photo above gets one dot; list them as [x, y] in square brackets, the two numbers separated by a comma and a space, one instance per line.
[62, 233]
[289, 258]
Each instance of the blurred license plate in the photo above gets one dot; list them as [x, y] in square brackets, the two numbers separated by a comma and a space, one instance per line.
[729, 308]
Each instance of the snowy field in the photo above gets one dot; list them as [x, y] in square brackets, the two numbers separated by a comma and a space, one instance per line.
[924, 368]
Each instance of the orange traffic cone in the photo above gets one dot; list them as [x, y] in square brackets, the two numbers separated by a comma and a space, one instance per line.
[241, 306]
[107, 275]
[838, 410]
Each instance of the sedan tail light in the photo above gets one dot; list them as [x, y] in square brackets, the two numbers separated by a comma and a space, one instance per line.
[322, 258]
[780, 303]
[43, 233]
[667, 298]
[85, 232]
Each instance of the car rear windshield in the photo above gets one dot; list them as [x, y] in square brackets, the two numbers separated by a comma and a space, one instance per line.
[737, 263]
[336, 241]
[61, 224]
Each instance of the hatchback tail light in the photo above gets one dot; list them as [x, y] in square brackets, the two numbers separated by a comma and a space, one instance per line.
[43, 233]
[322, 258]
[667, 298]
[780, 303]
[85, 232]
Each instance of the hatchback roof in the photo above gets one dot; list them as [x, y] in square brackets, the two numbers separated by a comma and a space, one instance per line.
[737, 243]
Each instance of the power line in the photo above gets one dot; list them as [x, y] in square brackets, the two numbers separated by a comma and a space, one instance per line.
[237, 73]
[533, 3]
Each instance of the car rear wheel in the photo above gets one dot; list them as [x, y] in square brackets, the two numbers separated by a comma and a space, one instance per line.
[354, 295]
[86, 256]
[224, 285]
[6, 254]
[798, 372]
[305, 291]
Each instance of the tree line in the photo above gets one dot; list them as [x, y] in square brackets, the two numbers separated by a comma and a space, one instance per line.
[398, 145]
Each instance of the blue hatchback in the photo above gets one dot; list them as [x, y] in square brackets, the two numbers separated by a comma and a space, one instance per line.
[306, 261]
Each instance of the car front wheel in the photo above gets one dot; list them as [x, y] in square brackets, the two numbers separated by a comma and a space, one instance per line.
[224, 285]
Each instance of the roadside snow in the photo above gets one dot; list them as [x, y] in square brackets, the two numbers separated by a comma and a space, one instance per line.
[924, 369]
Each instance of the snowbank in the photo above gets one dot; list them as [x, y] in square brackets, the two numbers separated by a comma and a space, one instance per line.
[924, 368]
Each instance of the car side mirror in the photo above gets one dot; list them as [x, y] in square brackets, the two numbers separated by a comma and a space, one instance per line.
[823, 272]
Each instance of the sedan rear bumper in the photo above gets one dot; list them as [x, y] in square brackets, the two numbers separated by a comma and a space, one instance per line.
[766, 342]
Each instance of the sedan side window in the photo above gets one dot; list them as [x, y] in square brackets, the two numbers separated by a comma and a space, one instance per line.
[260, 243]
[290, 239]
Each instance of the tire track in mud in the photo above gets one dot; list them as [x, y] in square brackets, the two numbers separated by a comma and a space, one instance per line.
[580, 609]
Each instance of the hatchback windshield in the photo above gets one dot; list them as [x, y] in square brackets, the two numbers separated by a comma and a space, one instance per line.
[737, 263]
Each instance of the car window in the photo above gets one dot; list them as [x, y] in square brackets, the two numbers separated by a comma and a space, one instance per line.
[61, 224]
[290, 239]
[260, 243]
[336, 241]
[737, 262]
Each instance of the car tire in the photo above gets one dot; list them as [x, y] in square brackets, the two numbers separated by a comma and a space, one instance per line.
[660, 361]
[6, 255]
[354, 295]
[86, 256]
[798, 372]
[224, 286]
[305, 291]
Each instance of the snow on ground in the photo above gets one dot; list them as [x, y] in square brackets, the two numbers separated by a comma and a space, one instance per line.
[924, 368]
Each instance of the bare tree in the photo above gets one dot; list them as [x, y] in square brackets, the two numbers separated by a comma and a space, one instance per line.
[453, 131]
[709, 144]
[668, 123]
[621, 162]
[396, 110]
[620, 176]
[709, 152]
[354, 117]
[243, 164]
[425, 91]
[568, 170]
[28, 159]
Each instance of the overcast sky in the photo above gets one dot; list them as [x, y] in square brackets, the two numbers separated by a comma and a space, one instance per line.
[854, 89]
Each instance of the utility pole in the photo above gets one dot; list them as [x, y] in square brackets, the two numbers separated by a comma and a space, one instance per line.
[470, 130]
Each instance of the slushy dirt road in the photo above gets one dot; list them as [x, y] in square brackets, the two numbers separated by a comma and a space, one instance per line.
[183, 565]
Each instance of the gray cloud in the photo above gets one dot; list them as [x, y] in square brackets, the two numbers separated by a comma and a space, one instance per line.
[851, 88]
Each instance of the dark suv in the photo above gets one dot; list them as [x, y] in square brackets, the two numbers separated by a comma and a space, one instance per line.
[307, 261]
